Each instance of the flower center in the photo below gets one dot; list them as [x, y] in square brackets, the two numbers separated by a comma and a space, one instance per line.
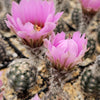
[37, 28]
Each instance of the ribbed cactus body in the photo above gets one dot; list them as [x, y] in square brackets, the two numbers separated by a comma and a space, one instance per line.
[91, 45]
[65, 6]
[2, 51]
[90, 84]
[90, 80]
[86, 20]
[21, 75]
[98, 34]
[3, 25]
[76, 17]
[60, 26]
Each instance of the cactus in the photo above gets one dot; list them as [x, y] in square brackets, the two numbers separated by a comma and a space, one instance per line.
[57, 81]
[98, 36]
[58, 4]
[90, 80]
[21, 75]
[37, 53]
[98, 18]
[3, 25]
[2, 51]
[91, 45]
[76, 17]
[60, 26]
[87, 18]
[65, 6]
[1, 7]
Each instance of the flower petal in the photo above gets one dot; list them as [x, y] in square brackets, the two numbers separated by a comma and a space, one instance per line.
[36, 97]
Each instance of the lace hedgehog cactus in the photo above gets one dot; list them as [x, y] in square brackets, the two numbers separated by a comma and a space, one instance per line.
[89, 10]
[60, 26]
[98, 36]
[64, 55]
[2, 51]
[90, 80]
[91, 45]
[32, 28]
[21, 76]
[3, 25]
[76, 17]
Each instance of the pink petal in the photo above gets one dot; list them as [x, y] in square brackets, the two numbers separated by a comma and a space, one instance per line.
[48, 27]
[29, 13]
[58, 38]
[1, 96]
[91, 4]
[36, 97]
[11, 21]
[66, 52]
[0, 73]
[47, 43]
[81, 41]
[57, 17]
[15, 10]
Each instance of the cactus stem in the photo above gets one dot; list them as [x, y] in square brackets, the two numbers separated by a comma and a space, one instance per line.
[85, 21]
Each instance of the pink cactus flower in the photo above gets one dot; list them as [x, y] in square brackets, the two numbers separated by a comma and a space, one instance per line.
[33, 20]
[36, 97]
[91, 5]
[66, 53]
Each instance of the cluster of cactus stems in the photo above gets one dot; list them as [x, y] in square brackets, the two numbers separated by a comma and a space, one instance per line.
[37, 35]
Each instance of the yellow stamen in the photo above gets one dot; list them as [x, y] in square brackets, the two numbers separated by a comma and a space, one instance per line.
[37, 28]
